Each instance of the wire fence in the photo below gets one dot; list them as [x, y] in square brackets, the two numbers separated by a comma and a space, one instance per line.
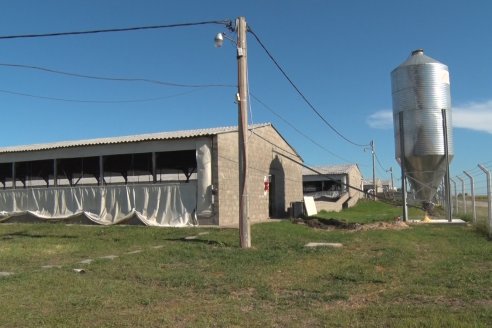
[472, 196]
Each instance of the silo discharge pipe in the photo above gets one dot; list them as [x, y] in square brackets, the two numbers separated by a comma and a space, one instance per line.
[428, 207]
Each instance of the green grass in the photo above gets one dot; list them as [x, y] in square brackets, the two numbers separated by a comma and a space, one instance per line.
[368, 211]
[482, 219]
[425, 276]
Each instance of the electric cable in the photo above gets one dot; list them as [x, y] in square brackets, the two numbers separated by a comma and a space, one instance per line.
[300, 93]
[96, 101]
[380, 172]
[297, 130]
[382, 199]
[228, 23]
[119, 79]
[271, 143]
[131, 79]
[125, 29]
[379, 162]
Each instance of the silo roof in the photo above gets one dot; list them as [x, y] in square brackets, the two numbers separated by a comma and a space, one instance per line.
[418, 58]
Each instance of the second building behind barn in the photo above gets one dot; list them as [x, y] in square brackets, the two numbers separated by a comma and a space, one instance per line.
[333, 187]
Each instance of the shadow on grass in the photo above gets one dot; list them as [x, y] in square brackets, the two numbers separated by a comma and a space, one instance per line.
[199, 241]
[29, 235]
[324, 223]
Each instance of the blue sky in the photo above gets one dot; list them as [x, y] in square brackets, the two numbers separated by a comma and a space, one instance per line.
[339, 53]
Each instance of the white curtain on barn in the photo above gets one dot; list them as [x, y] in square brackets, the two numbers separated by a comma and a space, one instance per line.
[204, 175]
[172, 204]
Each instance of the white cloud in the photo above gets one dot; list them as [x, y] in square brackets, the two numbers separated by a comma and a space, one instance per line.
[472, 116]
[382, 119]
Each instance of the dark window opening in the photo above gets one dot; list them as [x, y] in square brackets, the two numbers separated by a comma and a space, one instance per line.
[78, 171]
[325, 188]
[172, 166]
[176, 165]
[128, 168]
[34, 173]
[6, 174]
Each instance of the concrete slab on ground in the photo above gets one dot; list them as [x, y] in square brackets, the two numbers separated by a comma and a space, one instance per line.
[313, 244]
[440, 221]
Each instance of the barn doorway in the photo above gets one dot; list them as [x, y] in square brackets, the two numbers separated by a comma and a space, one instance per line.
[276, 206]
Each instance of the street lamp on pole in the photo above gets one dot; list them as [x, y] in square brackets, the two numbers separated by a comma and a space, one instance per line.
[391, 174]
[374, 186]
[242, 99]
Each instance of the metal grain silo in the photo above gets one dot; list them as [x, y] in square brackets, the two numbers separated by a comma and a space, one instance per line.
[422, 116]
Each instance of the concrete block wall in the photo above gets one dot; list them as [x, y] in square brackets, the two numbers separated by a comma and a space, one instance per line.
[265, 155]
[355, 180]
[332, 206]
[353, 201]
[227, 179]
[328, 206]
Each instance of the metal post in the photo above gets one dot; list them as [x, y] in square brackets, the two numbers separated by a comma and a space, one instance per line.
[101, 171]
[489, 198]
[154, 167]
[472, 187]
[455, 196]
[243, 93]
[403, 169]
[375, 187]
[391, 174]
[55, 172]
[447, 186]
[13, 175]
[463, 193]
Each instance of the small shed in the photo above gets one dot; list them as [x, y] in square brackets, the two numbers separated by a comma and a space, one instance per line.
[333, 187]
[369, 188]
[161, 179]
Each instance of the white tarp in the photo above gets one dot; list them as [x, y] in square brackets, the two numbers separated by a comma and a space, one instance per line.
[171, 204]
[204, 176]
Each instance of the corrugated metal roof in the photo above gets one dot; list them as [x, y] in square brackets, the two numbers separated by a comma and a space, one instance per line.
[330, 169]
[128, 139]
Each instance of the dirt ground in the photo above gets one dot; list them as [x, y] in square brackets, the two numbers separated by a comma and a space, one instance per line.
[332, 224]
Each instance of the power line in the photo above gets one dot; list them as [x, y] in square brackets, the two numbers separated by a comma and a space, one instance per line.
[94, 101]
[126, 29]
[118, 79]
[300, 93]
[273, 144]
[228, 23]
[297, 130]
[132, 79]
[379, 162]
[382, 199]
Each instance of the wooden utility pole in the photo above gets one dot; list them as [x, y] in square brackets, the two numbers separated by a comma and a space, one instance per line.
[242, 62]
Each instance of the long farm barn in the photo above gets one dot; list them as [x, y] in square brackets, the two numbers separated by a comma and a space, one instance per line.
[162, 179]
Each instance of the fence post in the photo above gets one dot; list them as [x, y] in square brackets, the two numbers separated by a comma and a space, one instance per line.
[472, 187]
[455, 196]
[463, 193]
[489, 198]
